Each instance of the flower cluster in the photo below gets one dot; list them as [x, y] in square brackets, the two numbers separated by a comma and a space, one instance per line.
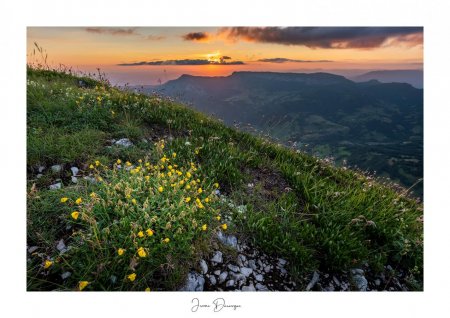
[144, 212]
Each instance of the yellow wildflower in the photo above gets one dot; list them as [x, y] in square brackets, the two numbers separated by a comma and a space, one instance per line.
[119, 161]
[147, 289]
[196, 151]
[132, 277]
[78, 201]
[199, 190]
[47, 264]
[134, 201]
[140, 160]
[188, 187]
[147, 164]
[147, 178]
[149, 232]
[141, 234]
[91, 166]
[166, 240]
[127, 196]
[224, 226]
[63, 200]
[170, 167]
[93, 195]
[188, 174]
[187, 200]
[198, 180]
[113, 112]
[75, 214]
[120, 251]
[174, 155]
[218, 218]
[160, 189]
[204, 227]
[142, 252]
[97, 163]
[82, 284]
[128, 163]
[206, 200]
[216, 185]
[200, 206]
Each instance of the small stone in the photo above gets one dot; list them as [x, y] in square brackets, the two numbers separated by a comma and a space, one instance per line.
[222, 277]
[74, 170]
[113, 279]
[217, 272]
[90, 179]
[229, 240]
[41, 168]
[124, 142]
[357, 271]
[212, 280]
[203, 266]
[233, 268]
[246, 271]
[230, 283]
[259, 277]
[61, 247]
[267, 268]
[377, 282]
[261, 264]
[74, 179]
[242, 257]
[282, 262]
[217, 257]
[336, 281]
[313, 281]
[194, 282]
[261, 287]
[39, 175]
[55, 186]
[238, 277]
[389, 268]
[252, 264]
[32, 249]
[283, 271]
[360, 282]
[56, 168]
[66, 275]
[248, 288]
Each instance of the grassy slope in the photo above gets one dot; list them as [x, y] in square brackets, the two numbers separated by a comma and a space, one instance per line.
[322, 223]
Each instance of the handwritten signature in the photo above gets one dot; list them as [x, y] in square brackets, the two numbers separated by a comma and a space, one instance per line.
[217, 305]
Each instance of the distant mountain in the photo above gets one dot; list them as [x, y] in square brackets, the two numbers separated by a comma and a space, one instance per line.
[373, 125]
[413, 77]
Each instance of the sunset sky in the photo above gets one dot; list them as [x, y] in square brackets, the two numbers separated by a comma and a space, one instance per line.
[148, 55]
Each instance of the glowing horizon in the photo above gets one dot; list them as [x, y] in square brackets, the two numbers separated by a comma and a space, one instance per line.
[157, 54]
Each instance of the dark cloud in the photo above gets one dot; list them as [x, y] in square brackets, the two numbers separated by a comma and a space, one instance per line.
[184, 62]
[196, 36]
[112, 31]
[284, 60]
[226, 57]
[328, 37]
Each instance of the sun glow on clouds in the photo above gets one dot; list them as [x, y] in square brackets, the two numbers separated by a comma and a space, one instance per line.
[149, 54]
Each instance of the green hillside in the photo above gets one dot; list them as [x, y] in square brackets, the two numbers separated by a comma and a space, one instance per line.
[142, 216]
